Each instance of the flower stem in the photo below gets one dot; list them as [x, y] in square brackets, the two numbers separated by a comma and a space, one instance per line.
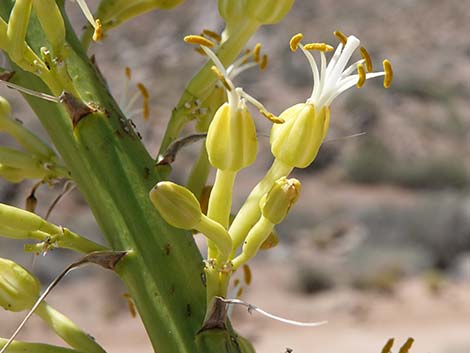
[250, 212]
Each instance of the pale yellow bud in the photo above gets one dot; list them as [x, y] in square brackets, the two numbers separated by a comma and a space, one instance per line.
[268, 11]
[19, 289]
[232, 11]
[231, 139]
[297, 141]
[177, 205]
[277, 202]
[262, 11]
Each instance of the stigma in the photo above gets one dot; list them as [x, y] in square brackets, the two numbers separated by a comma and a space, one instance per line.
[332, 78]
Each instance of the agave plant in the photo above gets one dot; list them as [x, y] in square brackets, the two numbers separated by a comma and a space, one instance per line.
[142, 214]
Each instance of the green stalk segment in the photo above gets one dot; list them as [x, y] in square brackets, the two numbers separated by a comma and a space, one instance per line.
[110, 166]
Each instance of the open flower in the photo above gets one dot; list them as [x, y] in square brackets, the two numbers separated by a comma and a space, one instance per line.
[297, 141]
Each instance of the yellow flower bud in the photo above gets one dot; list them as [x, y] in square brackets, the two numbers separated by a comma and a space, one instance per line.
[262, 11]
[231, 139]
[22, 220]
[177, 205]
[277, 202]
[268, 11]
[19, 289]
[297, 141]
[232, 11]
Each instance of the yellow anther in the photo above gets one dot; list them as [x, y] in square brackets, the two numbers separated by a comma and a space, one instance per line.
[128, 72]
[221, 78]
[236, 282]
[341, 36]
[264, 62]
[318, 46]
[271, 117]
[193, 39]
[388, 73]
[247, 274]
[256, 52]
[239, 293]
[211, 34]
[98, 34]
[361, 73]
[295, 40]
[365, 55]
[145, 95]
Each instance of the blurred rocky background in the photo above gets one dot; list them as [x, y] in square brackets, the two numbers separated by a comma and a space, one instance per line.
[378, 244]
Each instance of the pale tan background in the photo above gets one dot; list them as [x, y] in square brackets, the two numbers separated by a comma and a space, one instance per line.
[379, 243]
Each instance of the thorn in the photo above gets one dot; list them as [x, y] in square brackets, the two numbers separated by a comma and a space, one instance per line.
[76, 108]
[6, 75]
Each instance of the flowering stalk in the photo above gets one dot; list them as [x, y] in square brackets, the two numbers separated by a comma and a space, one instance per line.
[99, 143]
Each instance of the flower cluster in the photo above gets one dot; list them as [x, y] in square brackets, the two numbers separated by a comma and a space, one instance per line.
[231, 145]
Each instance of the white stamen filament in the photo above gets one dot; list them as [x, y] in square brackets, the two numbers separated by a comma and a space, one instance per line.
[233, 98]
[218, 64]
[334, 59]
[313, 65]
[86, 11]
[239, 61]
[322, 71]
[352, 68]
[351, 45]
[250, 99]
[333, 78]
[238, 70]
[346, 84]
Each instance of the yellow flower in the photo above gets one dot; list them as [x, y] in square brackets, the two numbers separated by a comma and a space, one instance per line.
[297, 141]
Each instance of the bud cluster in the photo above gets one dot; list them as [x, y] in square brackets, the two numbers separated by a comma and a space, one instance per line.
[37, 161]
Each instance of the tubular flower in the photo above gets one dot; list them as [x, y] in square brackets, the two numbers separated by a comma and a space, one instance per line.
[297, 142]
[231, 139]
